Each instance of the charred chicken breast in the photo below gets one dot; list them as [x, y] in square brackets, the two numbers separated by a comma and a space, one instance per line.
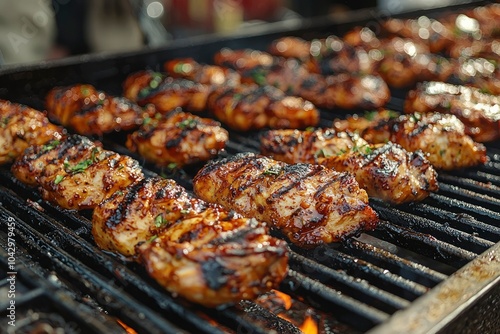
[91, 112]
[179, 138]
[194, 249]
[250, 107]
[440, 136]
[165, 93]
[21, 127]
[385, 171]
[479, 112]
[310, 204]
[75, 173]
[343, 90]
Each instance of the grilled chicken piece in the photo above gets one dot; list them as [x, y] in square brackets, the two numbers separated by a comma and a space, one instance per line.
[194, 249]
[75, 173]
[358, 123]
[385, 171]
[179, 138]
[441, 136]
[241, 60]
[294, 146]
[423, 29]
[327, 56]
[250, 107]
[479, 112]
[478, 72]
[310, 204]
[343, 90]
[21, 127]
[92, 112]
[165, 93]
[188, 68]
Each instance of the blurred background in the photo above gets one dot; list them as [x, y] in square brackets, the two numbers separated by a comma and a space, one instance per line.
[35, 30]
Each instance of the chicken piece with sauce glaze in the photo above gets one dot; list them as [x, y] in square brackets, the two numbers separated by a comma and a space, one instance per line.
[194, 249]
[385, 171]
[310, 204]
[75, 173]
[21, 127]
[92, 112]
[178, 137]
[440, 136]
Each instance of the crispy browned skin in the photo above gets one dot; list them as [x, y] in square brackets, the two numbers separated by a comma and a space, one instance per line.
[344, 90]
[179, 138]
[21, 127]
[199, 251]
[91, 112]
[479, 112]
[165, 93]
[441, 136]
[75, 173]
[385, 171]
[310, 204]
[478, 72]
[250, 107]
[190, 69]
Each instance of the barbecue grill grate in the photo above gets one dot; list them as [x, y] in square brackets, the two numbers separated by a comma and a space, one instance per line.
[377, 281]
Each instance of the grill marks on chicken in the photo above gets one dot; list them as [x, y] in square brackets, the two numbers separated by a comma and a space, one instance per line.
[165, 93]
[241, 107]
[21, 127]
[344, 90]
[92, 112]
[250, 107]
[440, 136]
[310, 204]
[385, 171]
[197, 250]
[76, 173]
[179, 138]
[479, 112]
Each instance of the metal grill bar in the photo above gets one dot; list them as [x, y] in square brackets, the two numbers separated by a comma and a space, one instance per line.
[459, 221]
[405, 268]
[377, 276]
[442, 232]
[424, 244]
[454, 205]
[356, 288]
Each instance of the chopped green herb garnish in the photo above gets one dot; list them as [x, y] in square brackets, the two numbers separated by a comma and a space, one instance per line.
[485, 90]
[368, 149]
[146, 121]
[310, 129]
[237, 96]
[119, 193]
[442, 152]
[5, 121]
[341, 151]
[58, 179]
[80, 167]
[189, 123]
[50, 145]
[322, 153]
[272, 171]
[152, 238]
[259, 77]
[160, 220]
[184, 211]
[370, 115]
[392, 114]
[85, 91]
[172, 165]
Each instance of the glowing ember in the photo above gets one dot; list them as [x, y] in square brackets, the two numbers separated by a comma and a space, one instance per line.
[309, 326]
[287, 300]
[127, 328]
